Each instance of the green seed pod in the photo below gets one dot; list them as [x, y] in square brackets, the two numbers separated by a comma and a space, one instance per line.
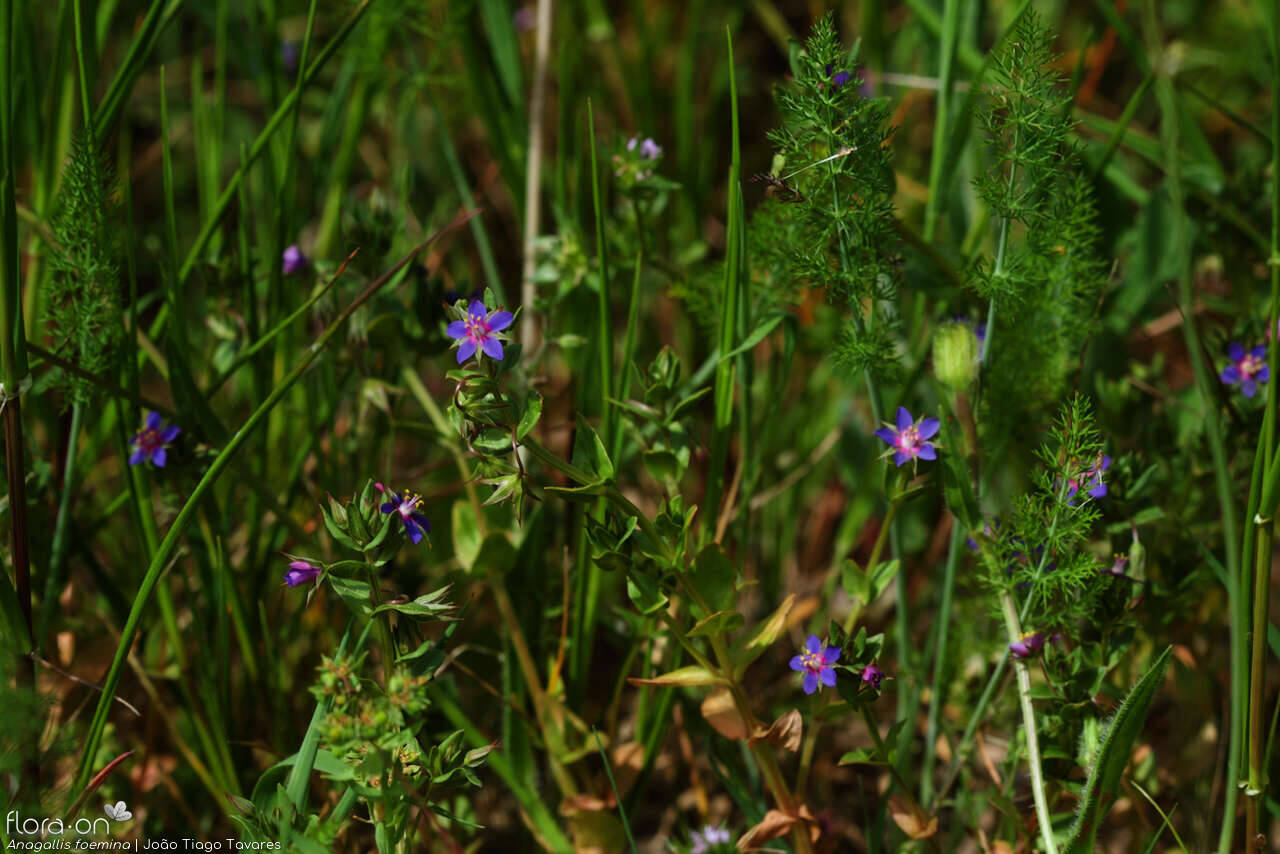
[955, 356]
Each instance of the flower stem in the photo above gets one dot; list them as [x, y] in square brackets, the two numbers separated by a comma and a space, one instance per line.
[1014, 629]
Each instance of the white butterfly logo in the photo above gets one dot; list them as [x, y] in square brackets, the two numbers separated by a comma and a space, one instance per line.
[117, 811]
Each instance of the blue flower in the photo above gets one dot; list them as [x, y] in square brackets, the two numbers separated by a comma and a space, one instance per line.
[415, 524]
[815, 662]
[478, 333]
[151, 442]
[1246, 369]
[907, 442]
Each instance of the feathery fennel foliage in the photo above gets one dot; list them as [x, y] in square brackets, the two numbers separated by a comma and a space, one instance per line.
[84, 294]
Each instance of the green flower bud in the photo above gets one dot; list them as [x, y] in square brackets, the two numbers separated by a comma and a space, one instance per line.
[955, 356]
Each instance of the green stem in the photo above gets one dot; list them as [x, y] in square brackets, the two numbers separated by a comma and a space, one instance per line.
[939, 662]
[1014, 629]
[881, 538]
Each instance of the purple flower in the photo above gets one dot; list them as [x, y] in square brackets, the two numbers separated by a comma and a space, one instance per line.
[816, 661]
[150, 442]
[525, 19]
[649, 150]
[1246, 369]
[301, 572]
[1028, 645]
[293, 260]
[289, 51]
[705, 840]
[873, 676]
[907, 440]
[1090, 477]
[478, 332]
[415, 524]
[838, 79]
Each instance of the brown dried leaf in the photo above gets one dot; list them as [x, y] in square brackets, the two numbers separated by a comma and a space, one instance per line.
[784, 732]
[719, 710]
[777, 823]
[911, 818]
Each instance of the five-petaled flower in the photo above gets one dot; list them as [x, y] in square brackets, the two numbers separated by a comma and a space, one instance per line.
[873, 676]
[815, 662]
[907, 441]
[150, 443]
[415, 524]
[1091, 478]
[705, 840]
[1027, 645]
[301, 572]
[1246, 369]
[477, 335]
[293, 261]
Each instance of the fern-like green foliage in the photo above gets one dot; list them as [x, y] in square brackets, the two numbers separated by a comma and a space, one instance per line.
[1113, 755]
[835, 183]
[84, 297]
[1040, 552]
[1045, 276]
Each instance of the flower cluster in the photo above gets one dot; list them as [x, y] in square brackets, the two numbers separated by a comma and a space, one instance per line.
[636, 162]
[709, 839]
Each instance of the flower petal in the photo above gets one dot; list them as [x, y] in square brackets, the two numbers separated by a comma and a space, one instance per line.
[499, 321]
[904, 419]
[813, 644]
[901, 457]
[887, 434]
[170, 433]
[158, 457]
[388, 507]
[476, 309]
[466, 351]
[423, 522]
[1248, 387]
[831, 655]
[828, 676]
[1263, 374]
[1259, 352]
[810, 682]
[797, 662]
[492, 348]
[137, 456]
[1230, 375]
[928, 427]
[457, 329]
[1099, 491]
[1235, 351]
[154, 421]
[927, 452]
[415, 533]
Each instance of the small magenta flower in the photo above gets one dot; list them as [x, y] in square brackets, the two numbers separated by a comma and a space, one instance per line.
[1028, 645]
[1246, 369]
[150, 443]
[706, 840]
[293, 260]
[908, 440]
[301, 572]
[477, 335]
[415, 524]
[1119, 566]
[815, 662]
[1091, 478]
[873, 676]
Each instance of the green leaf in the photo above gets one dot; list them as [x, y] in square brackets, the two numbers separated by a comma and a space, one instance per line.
[757, 335]
[645, 593]
[662, 465]
[429, 606]
[14, 635]
[589, 453]
[863, 756]
[713, 576]
[1113, 755]
[688, 677]
[719, 623]
[466, 534]
[354, 592]
[529, 417]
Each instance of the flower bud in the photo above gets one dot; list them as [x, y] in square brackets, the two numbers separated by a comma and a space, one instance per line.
[955, 356]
